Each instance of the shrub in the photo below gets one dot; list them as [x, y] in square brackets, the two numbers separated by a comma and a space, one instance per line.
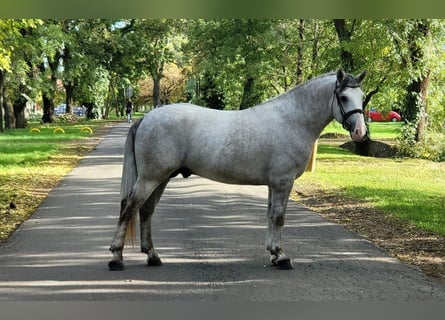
[432, 147]
[67, 118]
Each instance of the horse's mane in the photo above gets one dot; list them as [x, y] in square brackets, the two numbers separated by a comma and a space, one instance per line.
[310, 81]
[293, 91]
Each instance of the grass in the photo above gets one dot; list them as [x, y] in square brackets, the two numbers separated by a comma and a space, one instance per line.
[410, 189]
[378, 130]
[31, 163]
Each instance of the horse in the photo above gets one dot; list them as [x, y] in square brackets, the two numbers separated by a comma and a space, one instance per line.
[268, 144]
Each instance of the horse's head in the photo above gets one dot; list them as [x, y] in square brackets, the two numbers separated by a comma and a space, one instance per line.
[349, 104]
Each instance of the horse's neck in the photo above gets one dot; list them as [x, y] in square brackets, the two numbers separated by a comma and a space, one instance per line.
[308, 107]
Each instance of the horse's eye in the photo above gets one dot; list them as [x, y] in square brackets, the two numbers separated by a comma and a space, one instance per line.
[344, 99]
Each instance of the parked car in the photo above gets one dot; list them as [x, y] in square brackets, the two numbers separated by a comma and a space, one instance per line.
[78, 111]
[60, 109]
[374, 115]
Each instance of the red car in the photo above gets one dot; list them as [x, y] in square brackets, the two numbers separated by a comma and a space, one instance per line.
[374, 115]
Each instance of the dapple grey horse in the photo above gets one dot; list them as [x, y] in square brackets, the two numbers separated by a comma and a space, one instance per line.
[269, 144]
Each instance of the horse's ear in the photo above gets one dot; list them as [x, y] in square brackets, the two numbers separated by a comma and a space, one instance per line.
[361, 76]
[340, 75]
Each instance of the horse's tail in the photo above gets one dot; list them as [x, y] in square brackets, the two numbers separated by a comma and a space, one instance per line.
[129, 177]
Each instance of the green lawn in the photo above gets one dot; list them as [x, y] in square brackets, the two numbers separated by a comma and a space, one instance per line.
[32, 162]
[25, 147]
[378, 130]
[410, 189]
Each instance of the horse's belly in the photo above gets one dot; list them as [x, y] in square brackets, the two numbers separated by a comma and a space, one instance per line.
[234, 174]
[234, 179]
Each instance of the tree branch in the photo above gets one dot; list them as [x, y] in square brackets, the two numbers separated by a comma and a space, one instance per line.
[370, 94]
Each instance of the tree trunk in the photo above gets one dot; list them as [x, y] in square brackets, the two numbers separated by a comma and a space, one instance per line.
[48, 109]
[90, 111]
[416, 104]
[2, 85]
[157, 73]
[48, 94]
[315, 49]
[198, 88]
[250, 96]
[156, 91]
[109, 100]
[417, 89]
[299, 73]
[10, 119]
[19, 113]
[69, 94]
[344, 36]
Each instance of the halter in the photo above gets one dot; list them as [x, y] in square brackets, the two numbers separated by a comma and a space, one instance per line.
[345, 115]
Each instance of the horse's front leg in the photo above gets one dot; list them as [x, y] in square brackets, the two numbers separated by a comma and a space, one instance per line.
[277, 203]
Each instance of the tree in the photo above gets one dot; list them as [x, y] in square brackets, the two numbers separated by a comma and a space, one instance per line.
[356, 53]
[237, 54]
[105, 66]
[345, 31]
[418, 32]
[72, 57]
[87, 55]
[154, 44]
[17, 77]
[51, 38]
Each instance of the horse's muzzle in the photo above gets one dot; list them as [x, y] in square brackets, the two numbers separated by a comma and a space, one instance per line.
[359, 136]
[359, 133]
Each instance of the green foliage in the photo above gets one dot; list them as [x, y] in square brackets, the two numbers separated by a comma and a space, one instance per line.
[432, 147]
[239, 56]
[10, 39]
[210, 95]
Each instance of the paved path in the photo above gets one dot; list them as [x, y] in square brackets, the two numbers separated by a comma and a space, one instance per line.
[210, 237]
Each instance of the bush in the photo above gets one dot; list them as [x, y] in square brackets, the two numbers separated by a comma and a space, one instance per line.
[35, 117]
[432, 147]
[67, 118]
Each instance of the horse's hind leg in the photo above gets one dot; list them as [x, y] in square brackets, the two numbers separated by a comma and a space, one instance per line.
[146, 212]
[278, 198]
[129, 207]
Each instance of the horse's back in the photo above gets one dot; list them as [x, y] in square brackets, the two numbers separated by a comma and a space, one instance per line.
[227, 146]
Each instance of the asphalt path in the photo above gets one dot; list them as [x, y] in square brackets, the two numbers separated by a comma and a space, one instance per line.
[210, 237]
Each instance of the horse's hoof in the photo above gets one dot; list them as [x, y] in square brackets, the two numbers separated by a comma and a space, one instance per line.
[154, 262]
[285, 264]
[273, 260]
[115, 265]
